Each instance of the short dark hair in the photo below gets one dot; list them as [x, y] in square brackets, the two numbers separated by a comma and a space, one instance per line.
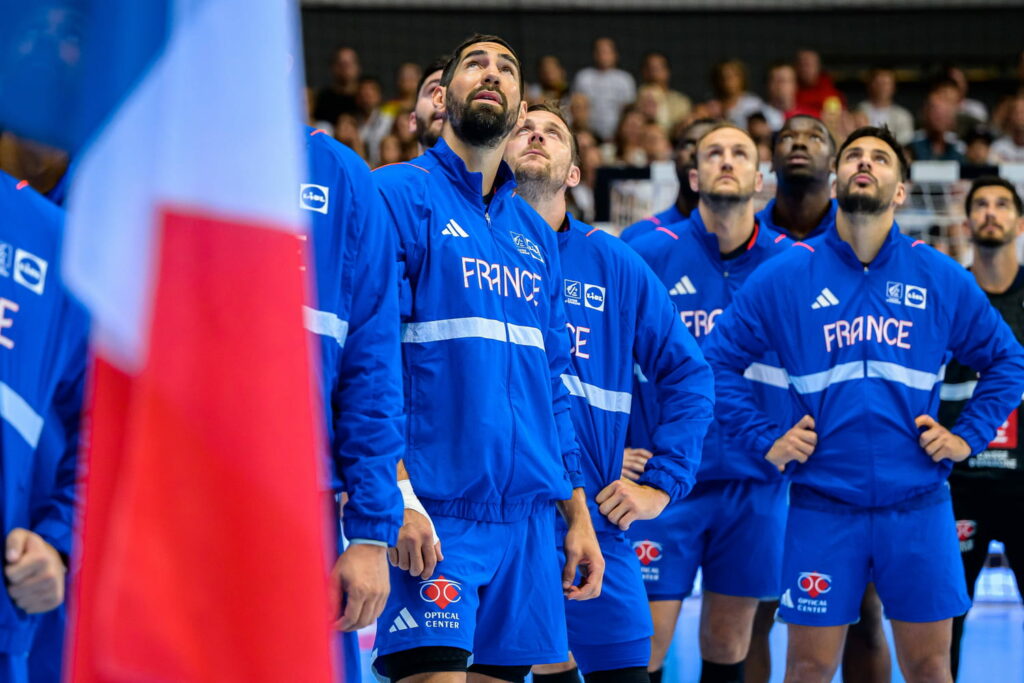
[437, 64]
[885, 135]
[812, 117]
[453, 61]
[994, 181]
[942, 82]
[656, 53]
[555, 110]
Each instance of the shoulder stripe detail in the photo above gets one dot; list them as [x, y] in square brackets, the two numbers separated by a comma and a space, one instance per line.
[402, 163]
[317, 132]
[654, 219]
[22, 184]
[915, 243]
[805, 246]
[592, 231]
[779, 238]
[669, 233]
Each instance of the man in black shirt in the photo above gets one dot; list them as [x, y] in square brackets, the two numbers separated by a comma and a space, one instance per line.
[988, 488]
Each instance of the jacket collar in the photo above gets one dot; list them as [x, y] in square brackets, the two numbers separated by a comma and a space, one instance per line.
[466, 182]
[709, 240]
[847, 254]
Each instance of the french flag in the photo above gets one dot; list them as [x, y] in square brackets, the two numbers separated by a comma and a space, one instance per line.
[203, 534]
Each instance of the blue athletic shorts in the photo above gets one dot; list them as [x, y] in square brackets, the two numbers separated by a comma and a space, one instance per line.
[497, 594]
[910, 552]
[613, 630]
[732, 530]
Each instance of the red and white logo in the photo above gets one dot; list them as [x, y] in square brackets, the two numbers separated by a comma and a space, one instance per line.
[441, 591]
[1006, 435]
[814, 583]
[965, 529]
[647, 551]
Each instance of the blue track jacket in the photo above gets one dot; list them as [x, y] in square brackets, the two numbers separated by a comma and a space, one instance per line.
[864, 349]
[484, 343]
[357, 323]
[43, 346]
[619, 314]
[764, 217]
[687, 261]
[645, 225]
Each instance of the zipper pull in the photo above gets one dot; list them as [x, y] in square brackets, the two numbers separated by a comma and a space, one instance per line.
[487, 216]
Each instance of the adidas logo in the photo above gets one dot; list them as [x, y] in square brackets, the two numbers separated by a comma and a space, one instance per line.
[403, 621]
[684, 286]
[825, 299]
[453, 229]
[787, 599]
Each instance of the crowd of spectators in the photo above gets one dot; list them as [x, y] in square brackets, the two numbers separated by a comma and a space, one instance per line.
[621, 122]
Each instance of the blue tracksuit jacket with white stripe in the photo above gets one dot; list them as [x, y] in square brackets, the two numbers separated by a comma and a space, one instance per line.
[356, 319]
[484, 343]
[619, 315]
[43, 344]
[687, 261]
[864, 348]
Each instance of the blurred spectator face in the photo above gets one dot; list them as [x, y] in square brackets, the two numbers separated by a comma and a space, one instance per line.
[346, 130]
[655, 70]
[726, 167]
[426, 122]
[802, 150]
[368, 96]
[977, 151]
[550, 73]
[579, 111]
[733, 79]
[808, 68]
[1015, 123]
[939, 114]
[992, 217]
[648, 100]
[406, 79]
[782, 87]
[957, 75]
[631, 129]
[390, 150]
[656, 143]
[881, 86]
[759, 129]
[605, 54]
[345, 67]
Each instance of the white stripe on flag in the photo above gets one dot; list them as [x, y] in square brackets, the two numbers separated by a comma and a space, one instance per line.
[604, 399]
[16, 411]
[767, 374]
[325, 323]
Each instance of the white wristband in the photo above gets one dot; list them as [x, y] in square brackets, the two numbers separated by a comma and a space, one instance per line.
[413, 503]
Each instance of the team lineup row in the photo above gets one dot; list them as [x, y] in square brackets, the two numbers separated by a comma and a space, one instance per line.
[579, 422]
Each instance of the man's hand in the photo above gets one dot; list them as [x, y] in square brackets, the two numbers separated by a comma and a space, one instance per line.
[634, 460]
[416, 551]
[796, 444]
[582, 550]
[940, 443]
[361, 574]
[34, 571]
[624, 502]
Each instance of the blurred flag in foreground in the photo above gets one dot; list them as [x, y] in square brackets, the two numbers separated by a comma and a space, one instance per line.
[202, 549]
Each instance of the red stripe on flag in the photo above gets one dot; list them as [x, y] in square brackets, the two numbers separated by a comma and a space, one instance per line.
[204, 547]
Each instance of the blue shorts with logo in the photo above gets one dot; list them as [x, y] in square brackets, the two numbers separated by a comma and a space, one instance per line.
[733, 530]
[613, 630]
[497, 594]
[910, 552]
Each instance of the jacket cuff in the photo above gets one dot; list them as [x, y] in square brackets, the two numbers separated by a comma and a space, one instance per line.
[764, 443]
[974, 440]
[573, 469]
[370, 528]
[664, 481]
[56, 533]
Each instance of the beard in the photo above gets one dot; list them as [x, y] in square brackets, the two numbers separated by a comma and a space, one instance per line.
[483, 126]
[991, 242]
[426, 135]
[859, 202]
[535, 183]
[723, 201]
